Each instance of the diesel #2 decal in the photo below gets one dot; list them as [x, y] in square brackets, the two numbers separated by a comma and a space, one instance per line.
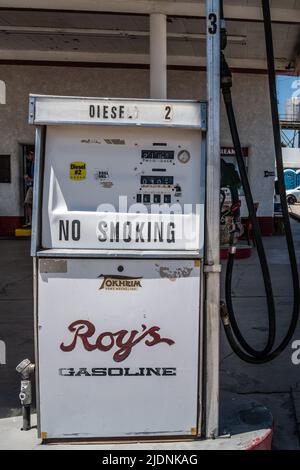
[77, 171]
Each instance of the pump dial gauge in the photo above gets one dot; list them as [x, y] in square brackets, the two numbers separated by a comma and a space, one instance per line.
[184, 156]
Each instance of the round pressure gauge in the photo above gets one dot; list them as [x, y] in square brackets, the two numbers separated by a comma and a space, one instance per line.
[183, 156]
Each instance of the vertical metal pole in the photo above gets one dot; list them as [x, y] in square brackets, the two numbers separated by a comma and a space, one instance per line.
[37, 189]
[212, 250]
[158, 56]
[40, 137]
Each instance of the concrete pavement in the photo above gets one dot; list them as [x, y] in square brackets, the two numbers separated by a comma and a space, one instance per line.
[16, 318]
[248, 424]
[294, 210]
[275, 385]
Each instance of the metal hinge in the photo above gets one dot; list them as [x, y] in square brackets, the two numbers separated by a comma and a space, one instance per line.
[31, 110]
[203, 116]
[212, 268]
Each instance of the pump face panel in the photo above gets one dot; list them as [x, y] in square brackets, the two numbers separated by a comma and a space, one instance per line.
[117, 352]
[118, 241]
[96, 179]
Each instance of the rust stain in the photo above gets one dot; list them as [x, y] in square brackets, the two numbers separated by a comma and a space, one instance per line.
[172, 275]
[107, 184]
[90, 141]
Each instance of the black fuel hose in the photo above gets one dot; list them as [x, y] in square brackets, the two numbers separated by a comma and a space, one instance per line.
[233, 333]
[258, 241]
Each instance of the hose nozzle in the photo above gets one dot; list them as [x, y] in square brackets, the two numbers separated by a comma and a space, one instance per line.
[224, 314]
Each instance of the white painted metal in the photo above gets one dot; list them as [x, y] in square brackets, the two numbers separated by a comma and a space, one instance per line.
[37, 189]
[36, 339]
[99, 203]
[109, 111]
[138, 150]
[158, 56]
[126, 42]
[119, 148]
[212, 242]
[2, 92]
[233, 10]
[162, 400]
[134, 254]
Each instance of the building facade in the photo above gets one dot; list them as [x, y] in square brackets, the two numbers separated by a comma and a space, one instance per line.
[111, 50]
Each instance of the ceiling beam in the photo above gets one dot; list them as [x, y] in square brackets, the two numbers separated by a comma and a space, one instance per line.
[146, 7]
[94, 32]
[124, 59]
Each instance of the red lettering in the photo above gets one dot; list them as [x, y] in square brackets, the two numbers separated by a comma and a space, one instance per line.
[99, 342]
[123, 339]
[125, 347]
[156, 338]
[76, 327]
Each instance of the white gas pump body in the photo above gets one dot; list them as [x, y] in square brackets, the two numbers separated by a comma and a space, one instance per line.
[118, 282]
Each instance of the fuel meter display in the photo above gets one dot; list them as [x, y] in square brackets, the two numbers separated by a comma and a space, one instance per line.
[157, 154]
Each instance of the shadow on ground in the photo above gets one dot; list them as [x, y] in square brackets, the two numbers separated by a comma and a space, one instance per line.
[275, 385]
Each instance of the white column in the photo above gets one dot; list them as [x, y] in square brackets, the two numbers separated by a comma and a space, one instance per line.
[212, 266]
[158, 56]
[2, 92]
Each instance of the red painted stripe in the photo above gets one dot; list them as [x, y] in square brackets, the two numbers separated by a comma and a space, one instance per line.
[262, 443]
[8, 225]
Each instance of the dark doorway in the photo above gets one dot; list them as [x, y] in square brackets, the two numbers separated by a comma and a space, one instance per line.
[25, 171]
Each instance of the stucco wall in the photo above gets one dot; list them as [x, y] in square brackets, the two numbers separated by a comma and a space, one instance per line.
[250, 98]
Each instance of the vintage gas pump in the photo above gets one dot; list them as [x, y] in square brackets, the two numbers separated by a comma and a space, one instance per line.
[127, 294]
[118, 247]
